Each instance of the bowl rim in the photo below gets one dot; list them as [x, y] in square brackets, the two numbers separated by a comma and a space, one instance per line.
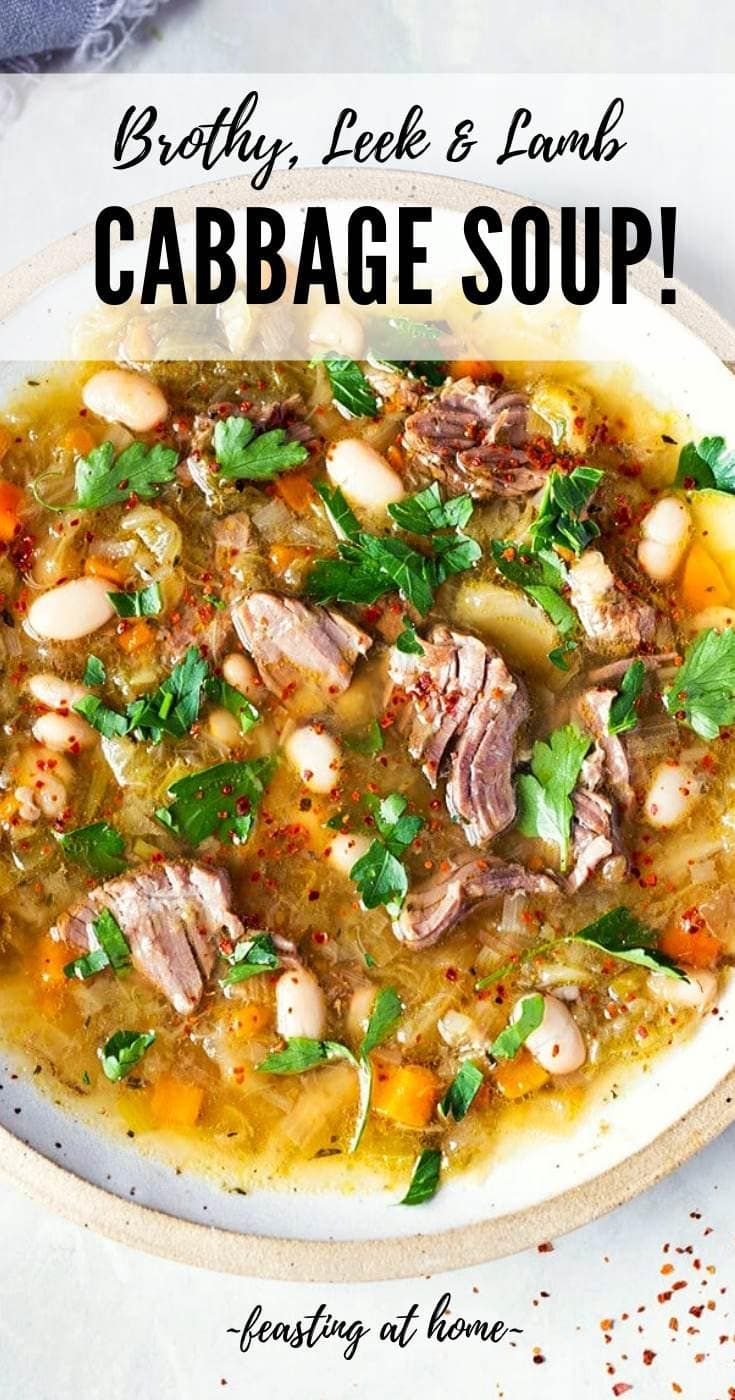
[304, 1260]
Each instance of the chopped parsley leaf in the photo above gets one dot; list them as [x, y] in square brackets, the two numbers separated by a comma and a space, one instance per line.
[506, 1045]
[147, 602]
[244, 456]
[380, 875]
[123, 1051]
[252, 955]
[623, 714]
[462, 1092]
[98, 846]
[707, 464]
[561, 522]
[703, 694]
[425, 1178]
[221, 801]
[544, 795]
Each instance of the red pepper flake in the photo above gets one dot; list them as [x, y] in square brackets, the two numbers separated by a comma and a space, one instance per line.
[648, 1357]
[620, 1387]
[546, 1248]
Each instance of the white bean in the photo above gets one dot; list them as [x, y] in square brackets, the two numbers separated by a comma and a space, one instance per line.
[300, 1006]
[224, 728]
[37, 761]
[27, 809]
[315, 754]
[54, 692]
[124, 396]
[556, 1044]
[363, 474]
[345, 849]
[698, 993]
[672, 793]
[240, 672]
[71, 610]
[665, 532]
[358, 1011]
[64, 733]
[336, 328]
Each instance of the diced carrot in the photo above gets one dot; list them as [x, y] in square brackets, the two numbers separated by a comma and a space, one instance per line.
[78, 440]
[406, 1093]
[134, 638]
[296, 490]
[396, 458]
[519, 1076]
[690, 943]
[702, 582]
[97, 566]
[52, 958]
[479, 370]
[249, 1020]
[175, 1103]
[11, 498]
[8, 807]
[283, 556]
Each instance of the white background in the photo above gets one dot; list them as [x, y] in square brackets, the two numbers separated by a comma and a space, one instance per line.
[79, 1316]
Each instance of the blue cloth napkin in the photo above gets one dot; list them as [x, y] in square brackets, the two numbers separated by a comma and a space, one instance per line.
[39, 26]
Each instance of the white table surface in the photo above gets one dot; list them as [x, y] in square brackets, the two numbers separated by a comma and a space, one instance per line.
[83, 1317]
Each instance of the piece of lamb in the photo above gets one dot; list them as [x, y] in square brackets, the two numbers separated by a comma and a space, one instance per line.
[173, 915]
[470, 437]
[436, 906]
[612, 620]
[291, 641]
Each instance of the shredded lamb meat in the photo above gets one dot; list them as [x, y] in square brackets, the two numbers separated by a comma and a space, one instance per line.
[612, 620]
[172, 914]
[291, 641]
[471, 438]
[442, 902]
[466, 709]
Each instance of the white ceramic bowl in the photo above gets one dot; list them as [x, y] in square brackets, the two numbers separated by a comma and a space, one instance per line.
[536, 1186]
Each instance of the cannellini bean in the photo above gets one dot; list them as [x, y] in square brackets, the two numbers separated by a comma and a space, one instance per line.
[240, 672]
[358, 1011]
[363, 474]
[54, 692]
[315, 753]
[300, 1006]
[672, 793]
[37, 761]
[27, 809]
[346, 849]
[336, 328]
[224, 728]
[556, 1044]
[125, 396]
[665, 532]
[71, 610]
[64, 733]
[698, 993]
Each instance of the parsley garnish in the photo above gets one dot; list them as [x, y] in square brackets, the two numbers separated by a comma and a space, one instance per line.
[380, 875]
[241, 455]
[424, 1178]
[302, 1053]
[106, 479]
[506, 1045]
[350, 388]
[250, 957]
[170, 709]
[623, 714]
[98, 846]
[221, 801]
[94, 671]
[560, 523]
[618, 932]
[462, 1092]
[370, 566]
[703, 694]
[708, 464]
[386, 1012]
[147, 602]
[544, 805]
[123, 1051]
[425, 511]
[113, 951]
[407, 640]
[542, 575]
